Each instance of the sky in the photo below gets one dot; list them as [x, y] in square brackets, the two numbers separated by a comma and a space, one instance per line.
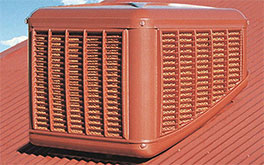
[13, 13]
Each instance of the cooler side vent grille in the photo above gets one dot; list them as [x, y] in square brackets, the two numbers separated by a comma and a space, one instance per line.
[113, 75]
[170, 81]
[40, 81]
[235, 59]
[74, 82]
[187, 76]
[219, 68]
[94, 83]
[57, 80]
[203, 71]
[199, 67]
[77, 82]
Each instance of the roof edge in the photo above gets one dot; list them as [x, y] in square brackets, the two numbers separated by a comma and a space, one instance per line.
[13, 49]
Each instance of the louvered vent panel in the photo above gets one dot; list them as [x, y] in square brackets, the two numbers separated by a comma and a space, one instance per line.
[170, 81]
[199, 67]
[77, 82]
[219, 64]
[95, 84]
[204, 71]
[57, 80]
[113, 79]
[187, 76]
[40, 80]
[235, 57]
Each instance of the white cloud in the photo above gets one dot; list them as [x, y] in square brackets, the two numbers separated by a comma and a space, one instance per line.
[13, 41]
[94, 1]
[78, 2]
[73, 2]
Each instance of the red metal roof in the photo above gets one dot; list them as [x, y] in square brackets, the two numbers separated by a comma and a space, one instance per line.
[235, 135]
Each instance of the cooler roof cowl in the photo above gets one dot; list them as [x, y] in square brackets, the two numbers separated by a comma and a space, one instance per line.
[136, 15]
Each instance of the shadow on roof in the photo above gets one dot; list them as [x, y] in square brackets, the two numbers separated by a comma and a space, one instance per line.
[70, 154]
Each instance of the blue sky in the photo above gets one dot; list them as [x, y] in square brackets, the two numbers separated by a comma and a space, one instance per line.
[14, 12]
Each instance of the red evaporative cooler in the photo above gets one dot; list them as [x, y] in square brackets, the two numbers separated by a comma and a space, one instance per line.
[131, 78]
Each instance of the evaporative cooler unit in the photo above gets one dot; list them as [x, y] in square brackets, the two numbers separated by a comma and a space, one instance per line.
[131, 78]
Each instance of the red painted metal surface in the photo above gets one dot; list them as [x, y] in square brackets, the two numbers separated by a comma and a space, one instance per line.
[233, 136]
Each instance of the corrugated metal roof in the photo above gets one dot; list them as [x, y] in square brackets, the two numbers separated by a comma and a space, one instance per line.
[235, 135]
